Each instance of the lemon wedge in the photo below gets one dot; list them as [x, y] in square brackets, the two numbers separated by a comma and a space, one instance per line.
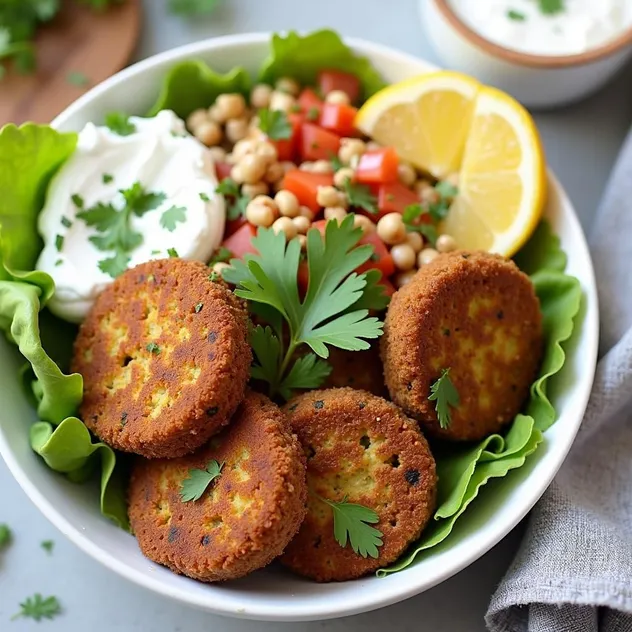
[446, 122]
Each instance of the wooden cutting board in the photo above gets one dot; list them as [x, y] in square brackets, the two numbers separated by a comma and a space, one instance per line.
[78, 42]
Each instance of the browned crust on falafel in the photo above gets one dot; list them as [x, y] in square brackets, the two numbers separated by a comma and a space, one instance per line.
[357, 369]
[364, 448]
[246, 517]
[165, 359]
[478, 315]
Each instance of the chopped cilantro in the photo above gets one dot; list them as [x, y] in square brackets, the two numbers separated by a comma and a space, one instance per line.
[59, 242]
[172, 216]
[48, 546]
[220, 256]
[65, 222]
[444, 393]
[77, 200]
[235, 201]
[107, 178]
[274, 124]
[551, 7]
[517, 16]
[5, 536]
[194, 486]
[152, 347]
[172, 252]
[77, 78]
[119, 123]
[204, 197]
[58, 262]
[360, 196]
[38, 608]
[198, 308]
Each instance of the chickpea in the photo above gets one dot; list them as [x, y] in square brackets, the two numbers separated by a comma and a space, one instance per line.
[363, 222]
[286, 225]
[244, 147]
[253, 190]
[406, 174]
[262, 211]
[288, 166]
[302, 223]
[372, 145]
[219, 267]
[322, 166]
[288, 85]
[339, 97]
[453, 179]
[267, 151]
[343, 200]
[215, 115]
[197, 118]
[287, 203]
[305, 211]
[237, 174]
[403, 278]
[209, 133]
[420, 186]
[335, 212]
[404, 257]
[230, 106]
[391, 229]
[282, 101]
[253, 168]
[306, 166]
[303, 241]
[236, 129]
[260, 96]
[342, 175]
[349, 148]
[327, 196]
[218, 154]
[416, 241]
[446, 243]
[274, 173]
[429, 195]
[426, 256]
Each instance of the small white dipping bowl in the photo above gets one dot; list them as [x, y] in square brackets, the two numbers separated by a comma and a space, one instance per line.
[275, 594]
[538, 81]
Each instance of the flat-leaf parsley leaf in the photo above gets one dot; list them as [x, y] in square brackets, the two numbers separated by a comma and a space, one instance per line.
[360, 196]
[274, 124]
[5, 536]
[193, 487]
[48, 546]
[551, 7]
[172, 216]
[516, 16]
[236, 203]
[38, 608]
[119, 123]
[352, 523]
[444, 393]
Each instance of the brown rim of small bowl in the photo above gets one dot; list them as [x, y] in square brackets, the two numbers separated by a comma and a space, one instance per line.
[526, 59]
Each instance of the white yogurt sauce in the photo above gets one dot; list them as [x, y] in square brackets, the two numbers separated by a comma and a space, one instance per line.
[164, 159]
[580, 26]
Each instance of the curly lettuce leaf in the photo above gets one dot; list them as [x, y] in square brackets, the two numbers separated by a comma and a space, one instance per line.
[303, 56]
[29, 157]
[464, 470]
[192, 84]
[58, 395]
[69, 449]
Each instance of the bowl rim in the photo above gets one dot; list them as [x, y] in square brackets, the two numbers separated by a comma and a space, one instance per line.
[531, 60]
[364, 600]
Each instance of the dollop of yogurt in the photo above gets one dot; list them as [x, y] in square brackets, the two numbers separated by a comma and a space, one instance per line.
[522, 25]
[164, 159]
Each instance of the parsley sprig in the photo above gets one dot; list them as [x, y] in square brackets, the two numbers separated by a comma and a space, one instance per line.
[119, 123]
[444, 393]
[352, 524]
[5, 536]
[193, 487]
[113, 225]
[360, 196]
[551, 7]
[436, 212]
[236, 203]
[274, 124]
[38, 608]
[334, 311]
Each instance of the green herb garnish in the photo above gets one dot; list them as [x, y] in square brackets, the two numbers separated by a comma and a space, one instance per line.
[334, 311]
[59, 242]
[551, 7]
[274, 124]
[172, 216]
[444, 393]
[5, 536]
[204, 197]
[173, 253]
[152, 347]
[107, 178]
[119, 123]
[360, 196]
[48, 546]
[352, 523]
[77, 200]
[77, 78]
[193, 487]
[313, 114]
[199, 307]
[65, 222]
[517, 16]
[236, 203]
[38, 608]
[220, 256]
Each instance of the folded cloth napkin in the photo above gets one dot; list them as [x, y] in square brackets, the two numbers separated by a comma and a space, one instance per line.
[573, 571]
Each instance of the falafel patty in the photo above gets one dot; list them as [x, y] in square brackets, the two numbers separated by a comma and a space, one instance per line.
[477, 315]
[357, 369]
[246, 516]
[362, 448]
[165, 359]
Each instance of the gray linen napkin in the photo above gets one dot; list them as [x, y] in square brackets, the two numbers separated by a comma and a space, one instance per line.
[573, 572]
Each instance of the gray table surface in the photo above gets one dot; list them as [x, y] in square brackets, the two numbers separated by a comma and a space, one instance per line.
[581, 143]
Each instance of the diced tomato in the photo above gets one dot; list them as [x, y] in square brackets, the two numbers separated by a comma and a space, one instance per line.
[303, 278]
[222, 169]
[378, 165]
[310, 102]
[305, 185]
[320, 226]
[338, 118]
[380, 260]
[233, 225]
[287, 148]
[330, 80]
[394, 197]
[389, 288]
[240, 242]
[318, 143]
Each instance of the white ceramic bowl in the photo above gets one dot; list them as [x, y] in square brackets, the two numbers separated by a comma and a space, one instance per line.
[537, 81]
[274, 594]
